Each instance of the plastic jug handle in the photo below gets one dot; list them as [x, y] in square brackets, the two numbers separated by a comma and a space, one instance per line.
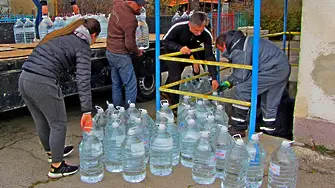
[99, 108]
[129, 101]
[164, 101]
[237, 135]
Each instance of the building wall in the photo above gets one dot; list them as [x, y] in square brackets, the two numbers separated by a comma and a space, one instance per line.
[315, 101]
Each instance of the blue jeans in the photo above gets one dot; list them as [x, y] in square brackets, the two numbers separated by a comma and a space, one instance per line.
[122, 73]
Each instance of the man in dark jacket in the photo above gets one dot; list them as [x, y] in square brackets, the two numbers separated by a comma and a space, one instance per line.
[184, 36]
[120, 45]
[273, 74]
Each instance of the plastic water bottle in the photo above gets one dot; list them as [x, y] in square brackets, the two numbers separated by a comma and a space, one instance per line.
[45, 27]
[182, 122]
[148, 122]
[99, 122]
[132, 112]
[142, 31]
[182, 114]
[114, 138]
[173, 130]
[257, 161]
[142, 133]
[115, 116]
[133, 154]
[203, 86]
[211, 126]
[283, 168]
[200, 111]
[187, 100]
[223, 144]
[175, 17]
[18, 31]
[123, 116]
[221, 116]
[204, 162]
[164, 111]
[161, 152]
[110, 110]
[189, 136]
[59, 23]
[91, 158]
[187, 86]
[29, 31]
[104, 24]
[236, 165]
[184, 15]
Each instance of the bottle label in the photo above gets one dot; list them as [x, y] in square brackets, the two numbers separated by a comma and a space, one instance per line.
[275, 169]
[137, 149]
[164, 143]
[145, 141]
[220, 154]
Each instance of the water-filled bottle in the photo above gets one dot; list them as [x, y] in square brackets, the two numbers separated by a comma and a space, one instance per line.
[164, 111]
[59, 23]
[148, 122]
[19, 31]
[142, 31]
[99, 123]
[223, 143]
[104, 24]
[173, 130]
[29, 31]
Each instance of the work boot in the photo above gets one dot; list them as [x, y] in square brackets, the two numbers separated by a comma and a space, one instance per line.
[232, 131]
[268, 127]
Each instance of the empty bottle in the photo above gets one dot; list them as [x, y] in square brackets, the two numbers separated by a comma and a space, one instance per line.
[173, 130]
[99, 123]
[45, 27]
[221, 116]
[204, 162]
[29, 31]
[161, 152]
[110, 110]
[175, 17]
[142, 133]
[132, 112]
[142, 31]
[114, 137]
[236, 165]
[59, 23]
[133, 154]
[148, 122]
[104, 24]
[189, 136]
[91, 158]
[223, 144]
[164, 111]
[19, 31]
[283, 168]
[257, 156]
[200, 111]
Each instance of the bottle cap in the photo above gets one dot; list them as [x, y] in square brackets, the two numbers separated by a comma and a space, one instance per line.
[161, 127]
[219, 107]
[224, 129]
[132, 105]
[200, 102]
[132, 131]
[286, 143]
[205, 134]
[137, 120]
[115, 124]
[239, 142]
[191, 121]
[186, 97]
[99, 109]
[215, 93]
[255, 137]
[143, 111]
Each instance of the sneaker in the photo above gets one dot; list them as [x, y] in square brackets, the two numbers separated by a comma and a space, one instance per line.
[63, 170]
[67, 151]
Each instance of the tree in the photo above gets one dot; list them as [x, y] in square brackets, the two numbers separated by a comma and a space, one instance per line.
[194, 5]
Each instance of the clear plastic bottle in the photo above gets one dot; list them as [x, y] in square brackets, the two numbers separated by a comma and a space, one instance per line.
[203, 86]
[257, 161]
[200, 111]
[114, 138]
[110, 109]
[91, 158]
[132, 113]
[236, 165]
[29, 31]
[187, 86]
[45, 27]
[164, 111]
[175, 17]
[184, 15]
[221, 116]
[148, 122]
[123, 117]
[182, 121]
[204, 162]
[161, 152]
[224, 142]
[189, 137]
[182, 114]
[133, 154]
[283, 168]
[187, 100]
[59, 23]
[143, 133]
[104, 24]
[99, 123]
[142, 31]
[211, 126]
[19, 32]
[173, 130]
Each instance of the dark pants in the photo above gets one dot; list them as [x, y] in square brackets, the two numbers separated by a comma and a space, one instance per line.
[122, 73]
[175, 70]
[45, 102]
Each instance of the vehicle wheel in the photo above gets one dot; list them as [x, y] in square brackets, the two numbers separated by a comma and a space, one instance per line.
[146, 88]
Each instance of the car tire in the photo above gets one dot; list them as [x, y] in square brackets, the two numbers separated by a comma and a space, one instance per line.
[146, 88]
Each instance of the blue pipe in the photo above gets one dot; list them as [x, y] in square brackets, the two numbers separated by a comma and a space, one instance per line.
[255, 60]
[285, 23]
[157, 50]
[217, 34]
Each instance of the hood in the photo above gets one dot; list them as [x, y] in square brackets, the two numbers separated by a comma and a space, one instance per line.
[83, 33]
[234, 40]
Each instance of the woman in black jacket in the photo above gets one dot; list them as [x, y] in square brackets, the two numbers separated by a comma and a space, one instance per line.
[59, 51]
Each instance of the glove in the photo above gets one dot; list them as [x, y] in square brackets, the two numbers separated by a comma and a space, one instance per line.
[224, 85]
[86, 123]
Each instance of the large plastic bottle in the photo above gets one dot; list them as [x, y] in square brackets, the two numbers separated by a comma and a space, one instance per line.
[200, 111]
[164, 111]
[189, 136]
[104, 24]
[142, 31]
[256, 163]
[29, 31]
[114, 138]
[203, 86]
[204, 162]
[187, 86]
[91, 158]
[45, 27]
[173, 130]
[148, 122]
[187, 100]
[18, 31]
[211, 126]
[59, 23]
[223, 144]
[161, 147]
[133, 154]
[221, 116]
[283, 168]
[99, 123]
[143, 133]
[236, 165]
[132, 112]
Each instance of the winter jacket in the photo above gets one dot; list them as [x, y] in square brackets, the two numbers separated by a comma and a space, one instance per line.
[179, 35]
[239, 49]
[62, 54]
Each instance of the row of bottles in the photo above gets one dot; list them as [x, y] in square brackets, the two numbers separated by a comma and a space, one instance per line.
[177, 16]
[202, 86]
[24, 32]
[131, 140]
